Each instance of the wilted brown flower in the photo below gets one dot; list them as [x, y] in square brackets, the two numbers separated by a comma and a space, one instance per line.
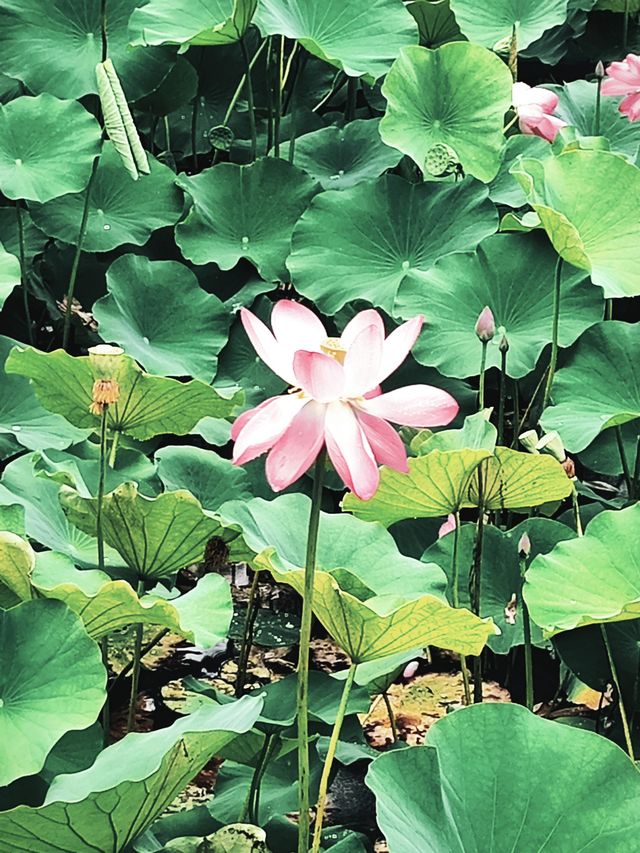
[104, 393]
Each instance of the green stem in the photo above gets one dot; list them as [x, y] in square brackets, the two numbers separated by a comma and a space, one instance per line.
[528, 650]
[135, 670]
[328, 762]
[475, 580]
[455, 594]
[392, 716]
[278, 105]
[608, 309]
[626, 471]
[513, 54]
[167, 134]
[106, 720]
[247, 635]
[576, 511]
[554, 333]
[250, 100]
[636, 470]
[614, 676]
[596, 124]
[144, 651]
[103, 29]
[301, 60]
[503, 395]
[269, 79]
[303, 659]
[114, 448]
[258, 784]
[76, 258]
[483, 366]
[248, 810]
[102, 472]
[23, 269]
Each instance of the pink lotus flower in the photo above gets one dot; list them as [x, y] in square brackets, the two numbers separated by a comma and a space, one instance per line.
[623, 78]
[334, 398]
[535, 108]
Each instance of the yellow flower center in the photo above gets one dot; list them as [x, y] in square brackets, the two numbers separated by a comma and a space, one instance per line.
[334, 348]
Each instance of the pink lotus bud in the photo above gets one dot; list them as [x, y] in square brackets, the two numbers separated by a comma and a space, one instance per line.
[486, 325]
[410, 669]
[448, 527]
[524, 545]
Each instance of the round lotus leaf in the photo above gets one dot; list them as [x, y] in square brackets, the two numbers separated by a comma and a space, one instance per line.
[594, 229]
[207, 22]
[210, 478]
[604, 361]
[361, 243]
[16, 565]
[244, 212]
[341, 157]
[456, 95]
[120, 211]
[497, 777]
[51, 682]
[54, 46]
[358, 38]
[514, 275]
[159, 314]
[577, 106]
[492, 22]
[590, 579]
[504, 189]
[47, 147]
[436, 22]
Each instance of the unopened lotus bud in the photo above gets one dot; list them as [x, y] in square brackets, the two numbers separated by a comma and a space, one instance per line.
[600, 69]
[410, 669]
[569, 468]
[106, 361]
[524, 545]
[486, 325]
[503, 346]
[552, 443]
[529, 440]
[448, 527]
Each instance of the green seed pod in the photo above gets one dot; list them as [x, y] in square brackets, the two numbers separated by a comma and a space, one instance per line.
[221, 137]
[118, 121]
[441, 160]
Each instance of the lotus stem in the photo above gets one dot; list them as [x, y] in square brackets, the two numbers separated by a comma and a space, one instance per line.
[303, 659]
[278, 105]
[392, 716]
[528, 650]
[114, 448]
[103, 29]
[250, 100]
[576, 511]
[483, 367]
[238, 91]
[626, 471]
[513, 54]
[135, 669]
[328, 762]
[616, 681]
[301, 61]
[248, 808]
[475, 581]
[258, 780]
[247, 634]
[503, 392]
[553, 361]
[596, 123]
[455, 595]
[76, 258]
[102, 473]
[23, 269]
[636, 470]
[269, 78]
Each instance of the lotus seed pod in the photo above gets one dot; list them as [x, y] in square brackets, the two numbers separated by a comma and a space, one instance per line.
[529, 440]
[441, 160]
[221, 137]
[552, 443]
[106, 361]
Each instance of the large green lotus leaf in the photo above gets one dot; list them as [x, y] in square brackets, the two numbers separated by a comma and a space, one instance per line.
[595, 229]
[387, 624]
[209, 477]
[9, 273]
[120, 210]
[16, 565]
[577, 106]
[500, 577]
[456, 95]
[341, 157]
[44, 520]
[23, 421]
[366, 551]
[603, 454]
[154, 536]
[591, 579]
[362, 243]
[244, 212]
[504, 189]
[131, 782]
[436, 22]
[51, 682]
[54, 46]
[492, 23]
[47, 147]
[359, 39]
[454, 292]
[202, 615]
[442, 482]
[496, 777]
[148, 405]
[208, 22]
[605, 360]
[159, 314]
